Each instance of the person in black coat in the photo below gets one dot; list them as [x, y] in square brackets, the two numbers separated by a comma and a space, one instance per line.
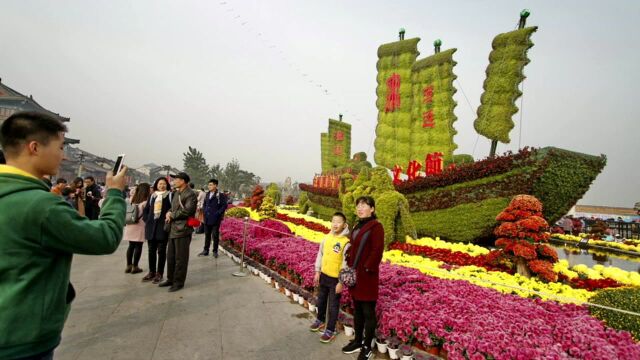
[215, 203]
[154, 214]
[92, 195]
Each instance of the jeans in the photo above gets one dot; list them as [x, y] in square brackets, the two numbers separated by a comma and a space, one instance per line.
[134, 252]
[364, 321]
[178, 260]
[157, 255]
[327, 297]
[209, 231]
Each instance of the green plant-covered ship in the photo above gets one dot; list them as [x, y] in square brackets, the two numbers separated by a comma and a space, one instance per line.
[415, 118]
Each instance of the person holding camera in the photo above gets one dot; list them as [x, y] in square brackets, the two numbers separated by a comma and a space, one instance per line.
[39, 233]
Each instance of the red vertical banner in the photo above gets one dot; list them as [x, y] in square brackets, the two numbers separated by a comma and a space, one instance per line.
[393, 93]
[339, 136]
[338, 150]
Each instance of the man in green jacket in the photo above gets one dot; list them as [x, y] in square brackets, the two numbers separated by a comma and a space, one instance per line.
[39, 233]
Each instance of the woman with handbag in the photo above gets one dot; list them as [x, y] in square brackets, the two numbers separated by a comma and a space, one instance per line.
[157, 237]
[363, 259]
[134, 230]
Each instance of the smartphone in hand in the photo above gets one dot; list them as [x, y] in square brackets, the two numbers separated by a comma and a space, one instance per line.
[118, 166]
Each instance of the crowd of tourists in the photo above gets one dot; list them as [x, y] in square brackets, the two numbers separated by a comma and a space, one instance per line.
[44, 224]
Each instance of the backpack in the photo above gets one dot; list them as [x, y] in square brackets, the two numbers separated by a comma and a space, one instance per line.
[132, 215]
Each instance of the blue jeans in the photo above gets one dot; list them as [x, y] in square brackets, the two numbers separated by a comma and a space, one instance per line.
[327, 298]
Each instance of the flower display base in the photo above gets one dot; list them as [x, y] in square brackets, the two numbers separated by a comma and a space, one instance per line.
[312, 308]
[300, 300]
[348, 330]
[407, 357]
[382, 347]
[287, 292]
[295, 297]
[393, 353]
[433, 350]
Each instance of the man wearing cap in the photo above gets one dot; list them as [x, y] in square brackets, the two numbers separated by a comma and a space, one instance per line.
[183, 206]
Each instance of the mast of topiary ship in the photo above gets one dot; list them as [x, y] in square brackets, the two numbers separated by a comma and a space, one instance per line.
[504, 73]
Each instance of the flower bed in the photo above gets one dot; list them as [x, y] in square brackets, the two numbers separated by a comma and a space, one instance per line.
[472, 322]
[602, 243]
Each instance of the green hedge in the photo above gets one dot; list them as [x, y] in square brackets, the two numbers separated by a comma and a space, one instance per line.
[274, 192]
[504, 74]
[323, 212]
[566, 178]
[465, 223]
[621, 298]
[237, 212]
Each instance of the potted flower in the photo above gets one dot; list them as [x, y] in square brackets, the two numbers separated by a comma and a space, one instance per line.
[380, 342]
[347, 323]
[422, 356]
[301, 298]
[393, 343]
[287, 290]
[436, 344]
[405, 351]
[312, 304]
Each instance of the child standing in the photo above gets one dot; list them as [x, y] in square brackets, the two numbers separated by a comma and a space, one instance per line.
[329, 262]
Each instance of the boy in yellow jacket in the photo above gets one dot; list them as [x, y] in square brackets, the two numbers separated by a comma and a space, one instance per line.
[329, 262]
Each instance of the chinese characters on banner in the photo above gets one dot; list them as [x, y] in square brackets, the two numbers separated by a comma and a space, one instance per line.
[428, 120]
[433, 165]
[393, 93]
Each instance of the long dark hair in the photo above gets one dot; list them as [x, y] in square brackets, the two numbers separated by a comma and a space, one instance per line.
[143, 190]
[162, 178]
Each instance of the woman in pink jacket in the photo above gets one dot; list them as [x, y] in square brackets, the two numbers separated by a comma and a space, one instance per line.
[134, 233]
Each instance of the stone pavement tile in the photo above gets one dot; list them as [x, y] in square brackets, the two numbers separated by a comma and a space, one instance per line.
[216, 315]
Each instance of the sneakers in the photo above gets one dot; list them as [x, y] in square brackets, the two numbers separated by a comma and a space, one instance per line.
[204, 253]
[366, 353]
[352, 347]
[328, 336]
[317, 326]
[150, 276]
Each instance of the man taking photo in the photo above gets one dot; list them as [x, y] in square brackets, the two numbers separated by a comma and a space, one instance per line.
[39, 233]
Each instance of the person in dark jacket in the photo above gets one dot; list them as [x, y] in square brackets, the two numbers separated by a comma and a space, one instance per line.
[214, 205]
[154, 215]
[365, 292]
[92, 195]
[183, 206]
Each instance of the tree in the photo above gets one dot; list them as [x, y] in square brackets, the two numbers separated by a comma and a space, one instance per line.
[216, 172]
[196, 166]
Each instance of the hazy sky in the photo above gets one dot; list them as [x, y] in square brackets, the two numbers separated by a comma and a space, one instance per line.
[149, 78]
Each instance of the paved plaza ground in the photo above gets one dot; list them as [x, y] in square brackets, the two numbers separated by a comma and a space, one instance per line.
[216, 315]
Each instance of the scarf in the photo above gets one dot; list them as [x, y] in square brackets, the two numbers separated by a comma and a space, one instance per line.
[157, 205]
